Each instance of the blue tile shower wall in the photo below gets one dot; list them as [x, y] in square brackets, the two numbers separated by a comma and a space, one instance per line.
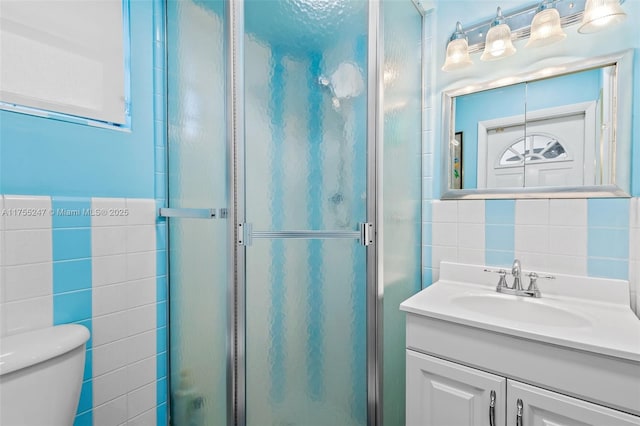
[71, 164]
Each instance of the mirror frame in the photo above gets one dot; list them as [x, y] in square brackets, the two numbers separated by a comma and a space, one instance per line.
[621, 168]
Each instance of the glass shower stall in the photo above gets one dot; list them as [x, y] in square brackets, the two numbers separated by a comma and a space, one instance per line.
[294, 178]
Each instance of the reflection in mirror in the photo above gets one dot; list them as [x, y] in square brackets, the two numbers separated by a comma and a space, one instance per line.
[557, 141]
[542, 135]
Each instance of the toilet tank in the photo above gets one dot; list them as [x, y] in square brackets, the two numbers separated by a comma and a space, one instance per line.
[41, 375]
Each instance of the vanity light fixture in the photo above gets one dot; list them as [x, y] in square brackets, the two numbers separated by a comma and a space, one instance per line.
[546, 27]
[498, 44]
[600, 14]
[457, 51]
[541, 23]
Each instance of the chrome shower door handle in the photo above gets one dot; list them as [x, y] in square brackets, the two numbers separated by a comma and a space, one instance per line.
[188, 213]
[492, 409]
[519, 406]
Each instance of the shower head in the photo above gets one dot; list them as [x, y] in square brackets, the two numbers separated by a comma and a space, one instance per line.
[344, 83]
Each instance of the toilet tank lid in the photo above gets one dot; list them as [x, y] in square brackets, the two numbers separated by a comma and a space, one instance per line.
[23, 350]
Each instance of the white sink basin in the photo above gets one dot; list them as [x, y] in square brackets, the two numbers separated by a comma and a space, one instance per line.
[519, 309]
[585, 313]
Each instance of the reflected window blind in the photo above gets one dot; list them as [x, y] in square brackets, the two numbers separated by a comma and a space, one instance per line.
[64, 56]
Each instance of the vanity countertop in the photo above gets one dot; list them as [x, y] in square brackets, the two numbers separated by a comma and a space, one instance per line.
[584, 313]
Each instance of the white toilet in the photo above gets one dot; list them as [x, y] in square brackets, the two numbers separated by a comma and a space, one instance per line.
[41, 376]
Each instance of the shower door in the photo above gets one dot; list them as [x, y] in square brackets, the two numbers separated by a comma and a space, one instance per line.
[305, 184]
[197, 180]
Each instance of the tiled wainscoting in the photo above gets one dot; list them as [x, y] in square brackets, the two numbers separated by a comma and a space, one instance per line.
[99, 262]
[594, 237]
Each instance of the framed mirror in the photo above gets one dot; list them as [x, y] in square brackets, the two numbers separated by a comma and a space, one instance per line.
[558, 132]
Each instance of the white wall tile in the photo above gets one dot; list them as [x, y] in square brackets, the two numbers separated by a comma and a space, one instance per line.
[109, 269]
[2, 213]
[573, 265]
[141, 373]
[532, 238]
[141, 319]
[534, 261]
[25, 315]
[141, 211]
[110, 357]
[27, 246]
[445, 211]
[27, 212]
[444, 253]
[141, 400]
[568, 240]
[140, 292]
[27, 281]
[471, 236]
[109, 328]
[471, 211]
[110, 386]
[2, 237]
[532, 212]
[141, 346]
[148, 418]
[471, 256]
[568, 212]
[141, 238]
[634, 213]
[445, 234]
[109, 299]
[113, 413]
[108, 240]
[141, 265]
[634, 287]
[108, 205]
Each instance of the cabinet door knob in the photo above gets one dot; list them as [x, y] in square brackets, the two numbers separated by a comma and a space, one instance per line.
[492, 409]
[519, 413]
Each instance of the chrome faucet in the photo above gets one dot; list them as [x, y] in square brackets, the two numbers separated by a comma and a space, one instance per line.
[516, 271]
[516, 289]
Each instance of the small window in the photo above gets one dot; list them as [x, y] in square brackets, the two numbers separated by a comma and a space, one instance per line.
[65, 57]
[536, 147]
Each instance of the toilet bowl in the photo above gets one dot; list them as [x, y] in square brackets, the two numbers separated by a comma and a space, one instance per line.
[41, 376]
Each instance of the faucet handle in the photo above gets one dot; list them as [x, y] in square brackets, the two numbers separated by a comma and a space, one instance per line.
[502, 283]
[533, 280]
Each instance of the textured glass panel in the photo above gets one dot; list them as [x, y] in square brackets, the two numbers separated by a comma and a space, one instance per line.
[306, 106]
[197, 174]
[401, 193]
[306, 333]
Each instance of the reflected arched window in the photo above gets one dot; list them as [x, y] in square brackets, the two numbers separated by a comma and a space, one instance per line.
[535, 147]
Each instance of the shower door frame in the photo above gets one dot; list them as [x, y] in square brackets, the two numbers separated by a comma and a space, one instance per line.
[236, 290]
[236, 285]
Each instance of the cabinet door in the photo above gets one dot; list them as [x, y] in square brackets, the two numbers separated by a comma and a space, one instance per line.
[441, 393]
[543, 408]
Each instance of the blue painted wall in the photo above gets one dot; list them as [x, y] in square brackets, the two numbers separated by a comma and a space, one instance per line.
[41, 156]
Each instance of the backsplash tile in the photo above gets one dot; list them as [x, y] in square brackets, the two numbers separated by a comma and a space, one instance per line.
[595, 237]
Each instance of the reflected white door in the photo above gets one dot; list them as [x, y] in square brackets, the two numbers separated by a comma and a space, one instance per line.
[555, 148]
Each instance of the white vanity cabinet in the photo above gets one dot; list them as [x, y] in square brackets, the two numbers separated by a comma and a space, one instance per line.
[572, 357]
[541, 407]
[444, 393]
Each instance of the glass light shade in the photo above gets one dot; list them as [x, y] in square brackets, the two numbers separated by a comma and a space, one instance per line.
[546, 28]
[600, 14]
[498, 44]
[457, 55]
